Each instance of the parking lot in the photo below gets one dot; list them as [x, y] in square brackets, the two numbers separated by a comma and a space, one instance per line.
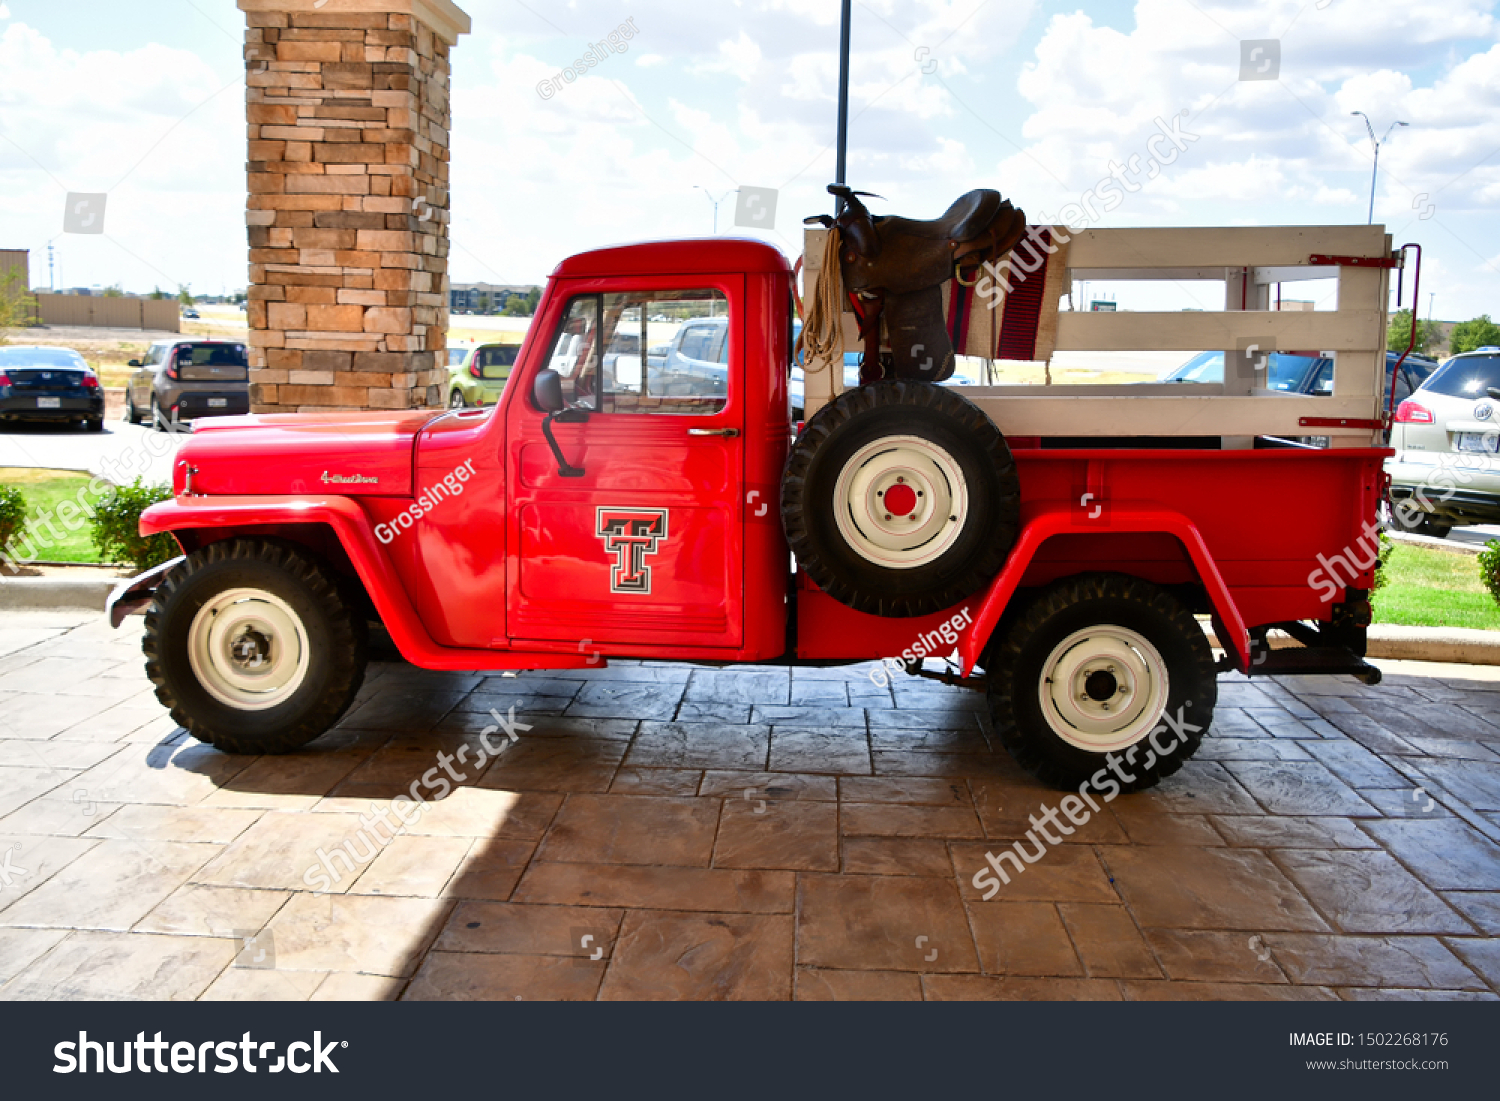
[694, 833]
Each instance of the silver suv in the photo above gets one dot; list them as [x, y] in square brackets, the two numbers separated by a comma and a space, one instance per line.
[182, 380]
[1446, 470]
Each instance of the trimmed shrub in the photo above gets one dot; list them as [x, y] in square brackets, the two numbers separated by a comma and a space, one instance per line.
[117, 527]
[12, 514]
[1489, 568]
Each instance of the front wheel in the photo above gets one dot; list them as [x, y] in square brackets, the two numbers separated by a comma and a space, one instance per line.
[1103, 681]
[254, 647]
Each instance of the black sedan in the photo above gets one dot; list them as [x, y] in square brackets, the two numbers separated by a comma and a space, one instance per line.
[48, 383]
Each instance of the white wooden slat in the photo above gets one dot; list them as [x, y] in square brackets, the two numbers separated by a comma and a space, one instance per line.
[1132, 415]
[1236, 246]
[1344, 330]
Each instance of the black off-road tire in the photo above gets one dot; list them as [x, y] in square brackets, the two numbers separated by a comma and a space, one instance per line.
[1015, 659]
[337, 645]
[852, 422]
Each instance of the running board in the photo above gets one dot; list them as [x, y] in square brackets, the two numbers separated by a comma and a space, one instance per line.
[1316, 661]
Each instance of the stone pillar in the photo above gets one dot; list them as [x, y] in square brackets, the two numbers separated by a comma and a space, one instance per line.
[348, 109]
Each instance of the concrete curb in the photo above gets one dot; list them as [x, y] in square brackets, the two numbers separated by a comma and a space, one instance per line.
[30, 594]
[1461, 645]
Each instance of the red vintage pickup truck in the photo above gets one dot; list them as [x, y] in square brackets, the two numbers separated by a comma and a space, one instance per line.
[614, 504]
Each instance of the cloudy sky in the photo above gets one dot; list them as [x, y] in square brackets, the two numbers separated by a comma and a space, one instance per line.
[144, 101]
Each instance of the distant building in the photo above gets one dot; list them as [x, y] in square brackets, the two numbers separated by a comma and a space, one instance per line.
[16, 259]
[482, 297]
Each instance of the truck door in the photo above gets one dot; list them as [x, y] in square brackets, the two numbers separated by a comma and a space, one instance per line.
[644, 548]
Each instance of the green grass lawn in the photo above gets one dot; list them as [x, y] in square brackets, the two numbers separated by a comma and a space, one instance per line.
[44, 490]
[1433, 588]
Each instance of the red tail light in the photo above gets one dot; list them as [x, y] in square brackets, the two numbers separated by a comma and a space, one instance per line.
[1409, 412]
[91, 381]
[4, 379]
[172, 371]
[474, 371]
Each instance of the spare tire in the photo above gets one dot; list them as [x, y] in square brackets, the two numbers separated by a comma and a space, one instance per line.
[901, 499]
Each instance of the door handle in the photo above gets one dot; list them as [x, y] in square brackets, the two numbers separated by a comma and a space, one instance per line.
[731, 432]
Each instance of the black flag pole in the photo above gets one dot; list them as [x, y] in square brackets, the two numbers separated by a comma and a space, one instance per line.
[843, 135]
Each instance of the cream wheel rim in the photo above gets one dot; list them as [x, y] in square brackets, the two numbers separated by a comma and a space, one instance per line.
[248, 649]
[901, 502]
[1103, 688]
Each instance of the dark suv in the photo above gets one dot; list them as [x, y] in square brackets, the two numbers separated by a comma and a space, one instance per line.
[182, 380]
[42, 383]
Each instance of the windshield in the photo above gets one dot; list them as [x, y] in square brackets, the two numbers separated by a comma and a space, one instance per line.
[1287, 371]
[41, 357]
[1470, 377]
[1203, 367]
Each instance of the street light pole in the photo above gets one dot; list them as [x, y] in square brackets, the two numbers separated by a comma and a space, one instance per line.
[1376, 146]
[716, 202]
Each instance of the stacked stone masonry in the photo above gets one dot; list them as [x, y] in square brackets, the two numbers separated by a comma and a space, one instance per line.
[348, 178]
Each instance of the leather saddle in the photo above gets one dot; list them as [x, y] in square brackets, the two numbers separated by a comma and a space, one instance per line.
[896, 268]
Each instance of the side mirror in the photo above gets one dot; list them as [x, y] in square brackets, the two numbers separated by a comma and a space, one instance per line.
[548, 392]
[133, 363]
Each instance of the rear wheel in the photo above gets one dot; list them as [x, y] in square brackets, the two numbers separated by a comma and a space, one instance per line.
[1101, 673]
[130, 416]
[456, 400]
[254, 646]
[900, 499]
[95, 424]
[158, 421]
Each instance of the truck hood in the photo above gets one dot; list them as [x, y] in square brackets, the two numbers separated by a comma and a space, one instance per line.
[355, 454]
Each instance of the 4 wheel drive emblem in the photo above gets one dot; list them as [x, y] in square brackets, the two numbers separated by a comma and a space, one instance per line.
[1483, 411]
[349, 479]
[631, 533]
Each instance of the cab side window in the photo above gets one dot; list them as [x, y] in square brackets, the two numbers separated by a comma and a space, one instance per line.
[684, 370]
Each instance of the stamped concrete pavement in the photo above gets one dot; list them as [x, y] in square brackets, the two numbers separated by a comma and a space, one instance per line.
[672, 832]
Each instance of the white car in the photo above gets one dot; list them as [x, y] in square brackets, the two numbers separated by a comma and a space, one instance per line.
[1446, 470]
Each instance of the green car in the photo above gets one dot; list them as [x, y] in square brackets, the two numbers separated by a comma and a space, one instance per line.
[480, 377]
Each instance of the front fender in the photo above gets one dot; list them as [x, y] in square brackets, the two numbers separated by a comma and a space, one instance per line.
[1049, 518]
[353, 530]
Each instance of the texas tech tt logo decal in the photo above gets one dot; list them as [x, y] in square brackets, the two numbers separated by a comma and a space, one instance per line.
[631, 533]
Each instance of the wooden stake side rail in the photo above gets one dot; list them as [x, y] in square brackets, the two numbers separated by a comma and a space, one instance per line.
[1248, 260]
